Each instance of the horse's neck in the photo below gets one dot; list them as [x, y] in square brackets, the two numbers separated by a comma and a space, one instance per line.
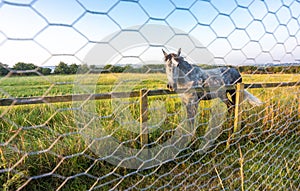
[188, 73]
[189, 69]
[185, 67]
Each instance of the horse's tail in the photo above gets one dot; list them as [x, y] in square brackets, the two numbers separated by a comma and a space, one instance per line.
[254, 101]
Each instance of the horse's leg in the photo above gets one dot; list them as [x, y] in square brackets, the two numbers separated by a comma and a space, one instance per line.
[225, 99]
[191, 108]
[233, 95]
[187, 129]
[191, 102]
[231, 104]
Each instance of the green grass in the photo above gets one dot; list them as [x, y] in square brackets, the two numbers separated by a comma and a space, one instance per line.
[45, 142]
[65, 84]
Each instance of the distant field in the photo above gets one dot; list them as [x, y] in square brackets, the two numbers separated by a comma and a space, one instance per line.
[50, 135]
[64, 84]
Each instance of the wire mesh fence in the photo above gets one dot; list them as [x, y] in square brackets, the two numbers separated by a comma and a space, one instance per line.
[56, 134]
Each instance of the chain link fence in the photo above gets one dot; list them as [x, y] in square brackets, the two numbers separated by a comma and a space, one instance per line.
[82, 130]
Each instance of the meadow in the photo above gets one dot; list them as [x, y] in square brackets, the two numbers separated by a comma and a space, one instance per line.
[42, 146]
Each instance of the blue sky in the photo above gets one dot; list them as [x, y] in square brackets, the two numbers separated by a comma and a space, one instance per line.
[45, 32]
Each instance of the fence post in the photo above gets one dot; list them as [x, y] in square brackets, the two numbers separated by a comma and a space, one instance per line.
[143, 117]
[298, 99]
[238, 107]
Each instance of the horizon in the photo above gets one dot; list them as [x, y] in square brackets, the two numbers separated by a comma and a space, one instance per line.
[200, 64]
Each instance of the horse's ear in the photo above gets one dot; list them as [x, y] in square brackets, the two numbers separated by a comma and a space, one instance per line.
[165, 54]
[179, 52]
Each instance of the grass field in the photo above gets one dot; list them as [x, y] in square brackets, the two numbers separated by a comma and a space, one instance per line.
[42, 146]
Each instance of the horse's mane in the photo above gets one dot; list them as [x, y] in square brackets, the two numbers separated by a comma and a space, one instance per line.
[185, 66]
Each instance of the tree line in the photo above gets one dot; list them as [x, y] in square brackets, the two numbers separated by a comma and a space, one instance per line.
[25, 69]
[281, 69]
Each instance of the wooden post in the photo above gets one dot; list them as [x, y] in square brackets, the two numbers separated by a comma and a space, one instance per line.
[298, 99]
[143, 117]
[238, 107]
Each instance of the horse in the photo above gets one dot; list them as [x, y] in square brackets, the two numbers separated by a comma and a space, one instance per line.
[183, 75]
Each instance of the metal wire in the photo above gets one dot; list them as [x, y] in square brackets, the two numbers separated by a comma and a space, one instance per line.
[90, 145]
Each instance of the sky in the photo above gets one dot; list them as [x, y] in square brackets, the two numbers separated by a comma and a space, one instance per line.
[236, 32]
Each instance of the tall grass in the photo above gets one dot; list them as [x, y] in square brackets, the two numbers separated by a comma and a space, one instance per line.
[43, 148]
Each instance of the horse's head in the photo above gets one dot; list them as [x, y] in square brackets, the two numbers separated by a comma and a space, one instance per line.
[171, 63]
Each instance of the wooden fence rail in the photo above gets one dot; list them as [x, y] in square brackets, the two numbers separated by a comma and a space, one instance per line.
[143, 95]
[81, 97]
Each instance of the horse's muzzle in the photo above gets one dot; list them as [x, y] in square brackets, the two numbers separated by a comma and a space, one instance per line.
[171, 87]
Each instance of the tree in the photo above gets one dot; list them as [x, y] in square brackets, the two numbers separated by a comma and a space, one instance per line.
[73, 68]
[107, 68]
[44, 71]
[21, 66]
[84, 68]
[62, 68]
[24, 66]
[3, 69]
[113, 69]
[128, 68]
[117, 69]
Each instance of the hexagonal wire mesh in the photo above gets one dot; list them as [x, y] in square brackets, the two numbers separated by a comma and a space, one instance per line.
[84, 132]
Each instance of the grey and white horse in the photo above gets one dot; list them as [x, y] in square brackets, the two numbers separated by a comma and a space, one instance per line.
[182, 75]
